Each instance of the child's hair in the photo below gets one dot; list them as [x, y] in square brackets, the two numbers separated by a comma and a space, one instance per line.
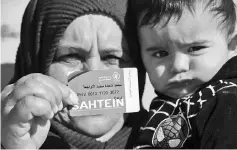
[155, 10]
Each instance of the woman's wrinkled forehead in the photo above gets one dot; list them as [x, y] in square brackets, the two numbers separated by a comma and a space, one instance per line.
[92, 30]
[54, 16]
[58, 14]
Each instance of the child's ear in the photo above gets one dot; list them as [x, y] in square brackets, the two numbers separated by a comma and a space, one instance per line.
[232, 42]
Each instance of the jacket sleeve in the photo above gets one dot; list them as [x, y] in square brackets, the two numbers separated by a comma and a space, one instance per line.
[220, 127]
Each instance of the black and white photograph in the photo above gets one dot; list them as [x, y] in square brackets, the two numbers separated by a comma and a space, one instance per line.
[118, 74]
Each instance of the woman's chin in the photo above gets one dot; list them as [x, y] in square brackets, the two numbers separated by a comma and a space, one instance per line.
[95, 126]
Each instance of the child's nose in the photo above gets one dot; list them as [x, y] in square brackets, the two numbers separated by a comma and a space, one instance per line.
[180, 63]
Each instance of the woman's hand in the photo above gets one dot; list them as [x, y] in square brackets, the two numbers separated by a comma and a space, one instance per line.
[27, 107]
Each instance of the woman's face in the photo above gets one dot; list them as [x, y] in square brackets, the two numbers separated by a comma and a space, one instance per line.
[91, 42]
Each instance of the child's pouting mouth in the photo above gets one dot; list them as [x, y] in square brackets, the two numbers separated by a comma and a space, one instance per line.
[180, 83]
[181, 88]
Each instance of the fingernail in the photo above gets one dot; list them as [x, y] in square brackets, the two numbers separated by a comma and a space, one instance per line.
[51, 115]
[55, 109]
[73, 98]
[60, 106]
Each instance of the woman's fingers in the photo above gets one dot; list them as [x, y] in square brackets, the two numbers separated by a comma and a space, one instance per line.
[6, 91]
[44, 87]
[32, 88]
[67, 95]
[29, 104]
[29, 117]
[30, 107]
[4, 94]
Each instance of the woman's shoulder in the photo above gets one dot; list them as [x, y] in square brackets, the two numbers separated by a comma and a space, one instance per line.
[53, 141]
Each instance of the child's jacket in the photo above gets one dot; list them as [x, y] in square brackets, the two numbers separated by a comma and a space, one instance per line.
[207, 119]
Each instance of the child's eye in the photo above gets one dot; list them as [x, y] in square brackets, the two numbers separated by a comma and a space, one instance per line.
[196, 48]
[161, 54]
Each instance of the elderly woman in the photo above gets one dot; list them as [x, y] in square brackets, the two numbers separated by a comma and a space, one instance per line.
[60, 37]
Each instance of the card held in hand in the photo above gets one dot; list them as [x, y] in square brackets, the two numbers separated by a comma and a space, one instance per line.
[105, 91]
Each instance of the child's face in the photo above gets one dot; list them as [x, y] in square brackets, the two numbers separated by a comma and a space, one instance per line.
[182, 55]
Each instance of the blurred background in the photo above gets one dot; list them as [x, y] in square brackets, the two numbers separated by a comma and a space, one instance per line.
[11, 16]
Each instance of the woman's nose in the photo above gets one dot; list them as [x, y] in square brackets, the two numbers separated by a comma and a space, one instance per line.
[93, 63]
[180, 63]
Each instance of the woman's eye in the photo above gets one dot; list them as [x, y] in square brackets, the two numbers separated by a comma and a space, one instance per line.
[161, 54]
[111, 59]
[196, 48]
[71, 58]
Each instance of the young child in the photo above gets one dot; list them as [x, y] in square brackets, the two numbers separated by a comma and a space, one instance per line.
[188, 49]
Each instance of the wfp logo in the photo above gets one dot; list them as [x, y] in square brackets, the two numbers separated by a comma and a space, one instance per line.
[116, 76]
